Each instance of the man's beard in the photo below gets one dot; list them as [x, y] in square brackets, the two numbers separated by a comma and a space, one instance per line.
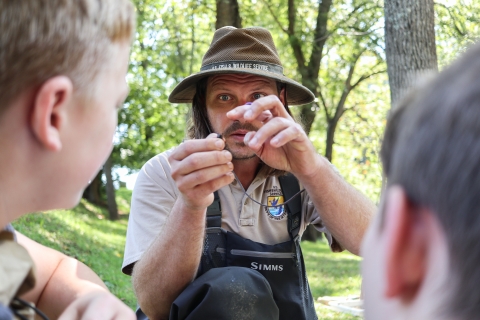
[239, 126]
[239, 156]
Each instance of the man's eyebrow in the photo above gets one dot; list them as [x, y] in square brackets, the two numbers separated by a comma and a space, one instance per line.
[259, 88]
[216, 87]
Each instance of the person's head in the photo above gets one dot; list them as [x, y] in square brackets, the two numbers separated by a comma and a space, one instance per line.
[62, 76]
[240, 66]
[421, 254]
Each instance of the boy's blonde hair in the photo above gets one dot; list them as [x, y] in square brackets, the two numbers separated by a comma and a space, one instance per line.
[40, 39]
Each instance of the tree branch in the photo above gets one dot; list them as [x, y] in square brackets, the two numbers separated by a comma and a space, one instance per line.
[352, 13]
[454, 19]
[294, 42]
[275, 17]
[340, 109]
[320, 37]
[324, 104]
[365, 77]
[359, 33]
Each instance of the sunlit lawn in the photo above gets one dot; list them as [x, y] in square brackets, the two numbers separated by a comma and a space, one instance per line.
[87, 235]
[331, 274]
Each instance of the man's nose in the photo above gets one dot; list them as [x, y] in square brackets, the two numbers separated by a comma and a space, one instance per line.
[244, 101]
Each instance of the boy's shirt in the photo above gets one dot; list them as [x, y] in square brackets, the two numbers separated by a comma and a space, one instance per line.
[17, 275]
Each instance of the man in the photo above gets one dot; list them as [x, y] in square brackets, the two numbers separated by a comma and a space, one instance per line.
[420, 255]
[62, 78]
[242, 94]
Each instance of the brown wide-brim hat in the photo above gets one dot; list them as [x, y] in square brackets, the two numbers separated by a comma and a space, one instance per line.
[248, 50]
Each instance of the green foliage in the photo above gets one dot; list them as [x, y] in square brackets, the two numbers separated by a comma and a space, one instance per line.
[355, 45]
[359, 135]
[457, 26]
[355, 41]
[170, 37]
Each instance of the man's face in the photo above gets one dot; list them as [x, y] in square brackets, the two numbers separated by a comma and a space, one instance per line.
[227, 91]
[93, 121]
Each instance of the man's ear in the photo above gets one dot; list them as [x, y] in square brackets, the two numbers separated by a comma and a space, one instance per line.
[281, 95]
[49, 111]
[406, 230]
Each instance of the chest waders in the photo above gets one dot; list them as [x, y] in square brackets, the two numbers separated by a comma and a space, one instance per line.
[281, 264]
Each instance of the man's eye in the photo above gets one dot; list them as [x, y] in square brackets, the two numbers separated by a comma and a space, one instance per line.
[224, 97]
[258, 96]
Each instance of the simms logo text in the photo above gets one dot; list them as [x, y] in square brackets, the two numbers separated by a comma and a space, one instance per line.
[266, 267]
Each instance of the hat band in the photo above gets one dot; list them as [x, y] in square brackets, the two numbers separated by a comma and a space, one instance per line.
[247, 64]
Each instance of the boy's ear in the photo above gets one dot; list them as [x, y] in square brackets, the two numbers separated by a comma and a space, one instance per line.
[50, 111]
[407, 236]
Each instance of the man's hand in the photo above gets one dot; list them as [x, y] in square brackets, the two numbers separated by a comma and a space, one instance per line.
[199, 167]
[281, 142]
[98, 305]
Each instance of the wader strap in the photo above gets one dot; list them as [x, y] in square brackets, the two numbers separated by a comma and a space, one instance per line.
[214, 213]
[290, 187]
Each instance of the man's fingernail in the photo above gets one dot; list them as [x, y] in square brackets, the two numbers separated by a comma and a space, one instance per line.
[219, 143]
[248, 114]
[248, 103]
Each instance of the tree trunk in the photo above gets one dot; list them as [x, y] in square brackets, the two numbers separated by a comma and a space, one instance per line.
[410, 43]
[331, 127]
[93, 192]
[311, 234]
[112, 203]
[311, 69]
[228, 14]
[307, 114]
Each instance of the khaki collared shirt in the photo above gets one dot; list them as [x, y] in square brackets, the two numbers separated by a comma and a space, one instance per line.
[17, 274]
[155, 193]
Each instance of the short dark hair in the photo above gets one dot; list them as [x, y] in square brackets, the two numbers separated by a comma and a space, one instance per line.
[199, 126]
[431, 149]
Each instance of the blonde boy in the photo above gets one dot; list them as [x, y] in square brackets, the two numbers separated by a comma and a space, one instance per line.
[62, 78]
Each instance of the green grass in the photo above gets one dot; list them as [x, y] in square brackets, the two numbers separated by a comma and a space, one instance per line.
[86, 234]
[331, 274]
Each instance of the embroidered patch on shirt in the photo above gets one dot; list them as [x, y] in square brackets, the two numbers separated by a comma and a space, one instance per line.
[275, 199]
